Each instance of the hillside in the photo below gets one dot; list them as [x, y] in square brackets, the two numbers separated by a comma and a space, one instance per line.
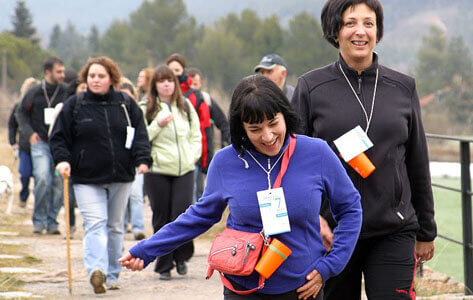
[405, 20]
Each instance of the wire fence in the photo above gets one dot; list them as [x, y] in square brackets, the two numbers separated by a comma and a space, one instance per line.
[465, 191]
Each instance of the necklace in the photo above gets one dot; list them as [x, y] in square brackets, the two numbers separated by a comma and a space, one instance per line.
[268, 173]
[49, 101]
[368, 119]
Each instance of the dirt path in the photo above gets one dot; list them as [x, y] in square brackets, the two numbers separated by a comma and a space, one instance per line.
[53, 283]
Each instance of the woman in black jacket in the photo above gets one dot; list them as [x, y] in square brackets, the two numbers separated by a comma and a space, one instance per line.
[99, 138]
[398, 210]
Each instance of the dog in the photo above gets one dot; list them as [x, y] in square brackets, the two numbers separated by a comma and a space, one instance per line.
[6, 187]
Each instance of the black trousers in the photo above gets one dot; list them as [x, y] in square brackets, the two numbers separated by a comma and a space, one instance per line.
[388, 265]
[170, 196]
[291, 295]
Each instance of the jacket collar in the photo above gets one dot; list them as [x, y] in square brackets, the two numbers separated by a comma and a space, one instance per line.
[371, 70]
[89, 95]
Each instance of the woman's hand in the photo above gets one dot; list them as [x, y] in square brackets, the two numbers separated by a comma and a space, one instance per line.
[326, 233]
[143, 169]
[163, 121]
[64, 168]
[424, 251]
[131, 263]
[312, 287]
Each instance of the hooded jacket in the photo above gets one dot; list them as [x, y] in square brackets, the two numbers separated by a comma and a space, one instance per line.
[398, 194]
[176, 147]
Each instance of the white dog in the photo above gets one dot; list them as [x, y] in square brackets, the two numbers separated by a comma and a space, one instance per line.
[6, 186]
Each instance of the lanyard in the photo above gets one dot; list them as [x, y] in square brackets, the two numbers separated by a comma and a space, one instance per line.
[268, 173]
[368, 120]
[49, 101]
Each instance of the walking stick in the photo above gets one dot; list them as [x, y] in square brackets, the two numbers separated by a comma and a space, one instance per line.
[68, 230]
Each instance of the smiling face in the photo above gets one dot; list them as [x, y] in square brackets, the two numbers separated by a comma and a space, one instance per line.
[98, 79]
[357, 36]
[267, 136]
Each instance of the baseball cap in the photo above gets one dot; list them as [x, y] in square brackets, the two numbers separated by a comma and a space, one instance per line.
[270, 61]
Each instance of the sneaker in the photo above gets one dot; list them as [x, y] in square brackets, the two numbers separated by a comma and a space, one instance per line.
[22, 204]
[139, 236]
[181, 268]
[38, 229]
[97, 280]
[113, 285]
[54, 231]
[165, 275]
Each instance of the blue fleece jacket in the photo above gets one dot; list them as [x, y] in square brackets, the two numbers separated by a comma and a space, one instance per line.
[313, 171]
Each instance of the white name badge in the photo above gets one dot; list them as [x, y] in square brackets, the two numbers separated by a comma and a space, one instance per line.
[272, 206]
[48, 115]
[130, 135]
[353, 143]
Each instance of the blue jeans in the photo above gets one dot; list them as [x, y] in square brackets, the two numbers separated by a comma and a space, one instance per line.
[102, 207]
[47, 187]
[199, 178]
[26, 172]
[135, 205]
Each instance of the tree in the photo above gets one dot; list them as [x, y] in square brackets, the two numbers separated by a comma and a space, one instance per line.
[161, 27]
[304, 47]
[23, 23]
[221, 57]
[24, 59]
[94, 40]
[55, 38]
[69, 45]
[430, 75]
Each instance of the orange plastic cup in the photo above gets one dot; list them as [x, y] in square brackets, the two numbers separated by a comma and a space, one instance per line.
[274, 256]
[362, 164]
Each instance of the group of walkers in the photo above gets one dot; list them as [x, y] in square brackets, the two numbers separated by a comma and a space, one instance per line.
[118, 143]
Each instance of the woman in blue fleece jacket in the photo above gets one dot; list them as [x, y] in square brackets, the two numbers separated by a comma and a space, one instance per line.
[261, 121]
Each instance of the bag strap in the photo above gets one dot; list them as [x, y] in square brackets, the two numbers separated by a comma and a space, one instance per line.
[285, 161]
[277, 183]
[229, 285]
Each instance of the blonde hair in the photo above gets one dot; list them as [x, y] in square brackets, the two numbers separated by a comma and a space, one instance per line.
[27, 84]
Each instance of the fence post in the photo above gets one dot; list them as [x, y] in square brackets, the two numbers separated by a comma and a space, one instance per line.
[466, 216]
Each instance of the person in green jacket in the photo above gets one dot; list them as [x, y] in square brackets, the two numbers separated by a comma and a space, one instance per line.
[176, 145]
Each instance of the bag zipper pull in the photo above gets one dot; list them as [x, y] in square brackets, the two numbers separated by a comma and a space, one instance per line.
[249, 247]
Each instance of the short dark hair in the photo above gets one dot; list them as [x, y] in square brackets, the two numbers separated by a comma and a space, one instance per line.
[176, 57]
[255, 99]
[332, 17]
[194, 71]
[49, 62]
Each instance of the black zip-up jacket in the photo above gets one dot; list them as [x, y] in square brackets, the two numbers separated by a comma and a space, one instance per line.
[30, 114]
[92, 140]
[398, 194]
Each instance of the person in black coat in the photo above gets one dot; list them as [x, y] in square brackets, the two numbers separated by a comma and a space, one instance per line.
[398, 209]
[100, 138]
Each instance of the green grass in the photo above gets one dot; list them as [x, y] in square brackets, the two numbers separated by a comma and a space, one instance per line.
[448, 257]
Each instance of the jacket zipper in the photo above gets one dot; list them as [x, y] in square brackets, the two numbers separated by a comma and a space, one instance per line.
[177, 140]
[359, 85]
[111, 142]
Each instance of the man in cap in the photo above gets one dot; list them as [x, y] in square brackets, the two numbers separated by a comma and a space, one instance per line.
[273, 67]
